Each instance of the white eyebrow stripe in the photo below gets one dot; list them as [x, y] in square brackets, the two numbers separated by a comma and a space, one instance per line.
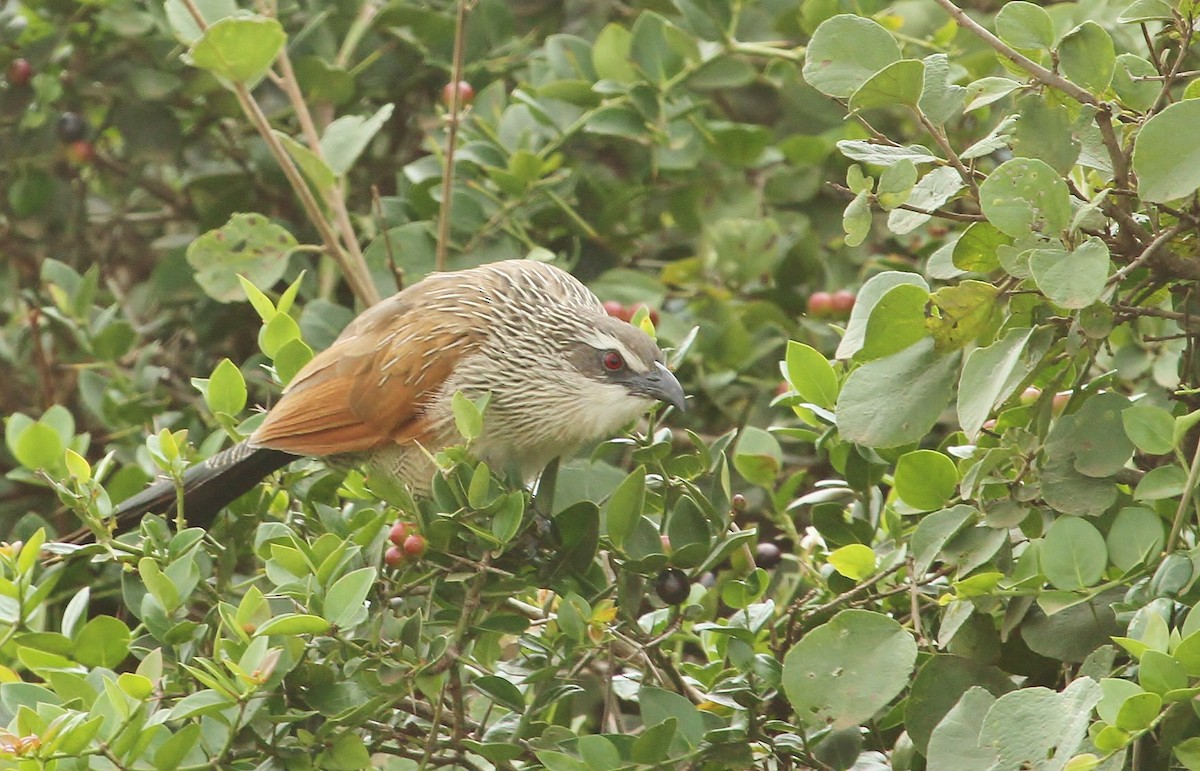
[602, 341]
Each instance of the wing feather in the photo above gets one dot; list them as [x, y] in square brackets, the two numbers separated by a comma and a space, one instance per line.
[372, 386]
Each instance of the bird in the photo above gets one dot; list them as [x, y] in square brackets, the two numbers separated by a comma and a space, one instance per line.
[557, 370]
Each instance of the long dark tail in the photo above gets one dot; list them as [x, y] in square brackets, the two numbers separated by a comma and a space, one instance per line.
[207, 488]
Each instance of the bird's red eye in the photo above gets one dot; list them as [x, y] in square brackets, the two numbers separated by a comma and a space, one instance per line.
[613, 361]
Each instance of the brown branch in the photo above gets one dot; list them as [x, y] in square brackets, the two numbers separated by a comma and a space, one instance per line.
[456, 71]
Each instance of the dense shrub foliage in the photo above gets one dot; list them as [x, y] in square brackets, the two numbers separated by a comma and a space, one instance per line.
[960, 533]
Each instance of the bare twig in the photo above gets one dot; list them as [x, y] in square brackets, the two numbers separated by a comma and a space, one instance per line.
[456, 71]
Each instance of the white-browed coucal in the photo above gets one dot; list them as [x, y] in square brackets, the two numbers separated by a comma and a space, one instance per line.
[560, 371]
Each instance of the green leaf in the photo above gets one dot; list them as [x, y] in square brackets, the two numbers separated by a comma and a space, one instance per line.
[659, 49]
[159, 585]
[1137, 95]
[1025, 195]
[39, 447]
[315, 170]
[856, 220]
[1139, 712]
[1188, 753]
[288, 624]
[843, 672]
[276, 333]
[343, 604]
[991, 374]
[1159, 483]
[1038, 728]
[1073, 554]
[610, 54]
[883, 155]
[811, 374]
[1160, 673]
[240, 49]
[758, 456]
[954, 743]
[985, 91]
[844, 52]
[897, 399]
[345, 139]
[652, 745]
[1135, 537]
[854, 561]
[958, 314]
[1072, 279]
[1166, 167]
[897, 321]
[975, 251]
[226, 392]
[1146, 10]
[624, 507]
[899, 83]
[501, 691]
[102, 642]
[658, 706]
[1044, 131]
[1087, 57]
[941, 98]
[1024, 25]
[935, 188]
[941, 683]
[925, 479]
[1150, 428]
[468, 416]
[184, 25]
[249, 245]
[290, 358]
[506, 521]
[896, 184]
[934, 531]
[868, 296]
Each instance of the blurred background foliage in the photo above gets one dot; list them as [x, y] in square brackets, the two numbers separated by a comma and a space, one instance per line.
[929, 289]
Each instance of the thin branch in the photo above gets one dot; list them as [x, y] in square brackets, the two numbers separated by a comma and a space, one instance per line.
[1188, 489]
[1147, 254]
[1049, 77]
[355, 273]
[456, 73]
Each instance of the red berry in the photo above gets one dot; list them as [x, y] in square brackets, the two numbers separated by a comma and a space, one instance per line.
[1030, 395]
[666, 544]
[842, 301]
[398, 532]
[466, 94]
[393, 557]
[989, 424]
[738, 502]
[414, 545]
[617, 310]
[81, 153]
[20, 72]
[820, 304]
[1059, 402]
[783, 387]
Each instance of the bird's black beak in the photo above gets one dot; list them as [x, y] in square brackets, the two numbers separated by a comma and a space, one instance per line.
[660, 384]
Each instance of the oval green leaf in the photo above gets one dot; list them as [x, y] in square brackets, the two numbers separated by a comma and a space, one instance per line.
[845, 51]
[1073, 554]
[925, 479]
[844, 671]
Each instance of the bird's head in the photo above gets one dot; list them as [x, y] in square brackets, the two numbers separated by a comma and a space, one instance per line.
[624, 364]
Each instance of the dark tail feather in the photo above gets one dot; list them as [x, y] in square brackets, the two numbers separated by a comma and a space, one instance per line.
[208, 487]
